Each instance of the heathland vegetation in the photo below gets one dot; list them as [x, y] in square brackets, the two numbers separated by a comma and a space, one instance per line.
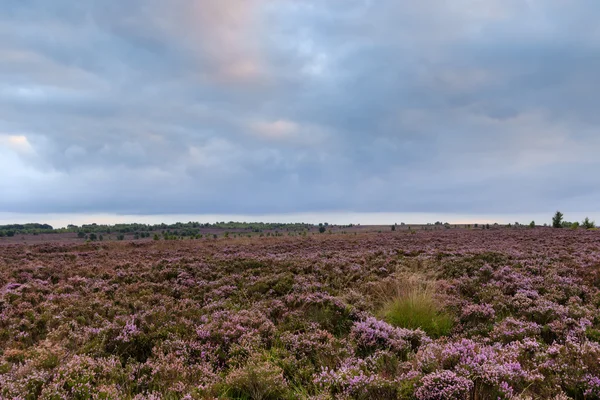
[404, 314]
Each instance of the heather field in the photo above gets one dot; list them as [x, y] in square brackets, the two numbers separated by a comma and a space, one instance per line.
[450, 314]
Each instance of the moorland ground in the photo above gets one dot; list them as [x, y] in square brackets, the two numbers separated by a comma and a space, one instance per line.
[448, 314]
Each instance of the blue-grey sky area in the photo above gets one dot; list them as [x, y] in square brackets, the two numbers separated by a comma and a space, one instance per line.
[271, 107]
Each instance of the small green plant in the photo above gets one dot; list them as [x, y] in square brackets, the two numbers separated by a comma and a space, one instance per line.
[156, 237]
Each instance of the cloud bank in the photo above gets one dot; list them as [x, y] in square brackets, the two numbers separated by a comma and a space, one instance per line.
[286, 106]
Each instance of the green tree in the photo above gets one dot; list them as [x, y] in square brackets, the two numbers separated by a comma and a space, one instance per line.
[587, 224]
[557, 220]
[322, 229]
[532, 224]
[393, 227]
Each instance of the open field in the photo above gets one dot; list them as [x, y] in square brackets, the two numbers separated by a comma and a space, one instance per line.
[446, 314]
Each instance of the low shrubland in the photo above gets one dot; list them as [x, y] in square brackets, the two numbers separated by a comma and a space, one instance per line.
[432, 315]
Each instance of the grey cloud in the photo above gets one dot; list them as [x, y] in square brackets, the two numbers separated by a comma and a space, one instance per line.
[274, 106]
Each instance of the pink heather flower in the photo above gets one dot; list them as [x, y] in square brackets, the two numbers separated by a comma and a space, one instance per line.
[444, 385]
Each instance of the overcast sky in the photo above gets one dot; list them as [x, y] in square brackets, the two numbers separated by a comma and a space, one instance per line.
[270, 107]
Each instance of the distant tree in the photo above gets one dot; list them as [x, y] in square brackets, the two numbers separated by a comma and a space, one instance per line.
[322, 229]
[156, 237]
[587, 224]
[487, 226]
[393, 227]
[573, 225]
[100, 237]
[557, 220]
[81, 234]
[120, 236]
[93, 236]
[532, 224]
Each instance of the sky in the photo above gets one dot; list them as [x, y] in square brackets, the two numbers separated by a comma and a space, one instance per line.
[356, 110]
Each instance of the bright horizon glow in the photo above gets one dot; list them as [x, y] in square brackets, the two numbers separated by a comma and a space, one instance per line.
[335, 218]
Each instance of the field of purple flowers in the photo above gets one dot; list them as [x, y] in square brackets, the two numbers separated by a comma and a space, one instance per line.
[451, 314]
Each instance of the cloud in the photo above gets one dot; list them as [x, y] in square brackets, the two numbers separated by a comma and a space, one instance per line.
[277, 106]
[279, 129]
[17, 143]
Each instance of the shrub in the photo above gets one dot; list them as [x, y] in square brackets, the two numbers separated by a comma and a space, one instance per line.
[258, 380]
[587, 224]
[444, 385]
[373, 334]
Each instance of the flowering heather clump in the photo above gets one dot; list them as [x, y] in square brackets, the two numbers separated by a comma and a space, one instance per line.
[444, 385]
[511, 329]
[298, 317]
[373, 334]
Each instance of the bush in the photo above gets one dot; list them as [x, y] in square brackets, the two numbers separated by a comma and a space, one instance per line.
[256, 380]
[444, 385]
[587, 224]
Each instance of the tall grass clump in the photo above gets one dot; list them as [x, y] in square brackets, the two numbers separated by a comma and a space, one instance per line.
[412, 304]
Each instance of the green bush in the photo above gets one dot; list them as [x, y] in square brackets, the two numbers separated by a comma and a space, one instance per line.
[587, 224]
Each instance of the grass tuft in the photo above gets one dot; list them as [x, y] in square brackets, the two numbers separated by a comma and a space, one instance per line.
[413, 305]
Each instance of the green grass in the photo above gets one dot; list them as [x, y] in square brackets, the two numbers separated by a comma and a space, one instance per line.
[417, 308]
